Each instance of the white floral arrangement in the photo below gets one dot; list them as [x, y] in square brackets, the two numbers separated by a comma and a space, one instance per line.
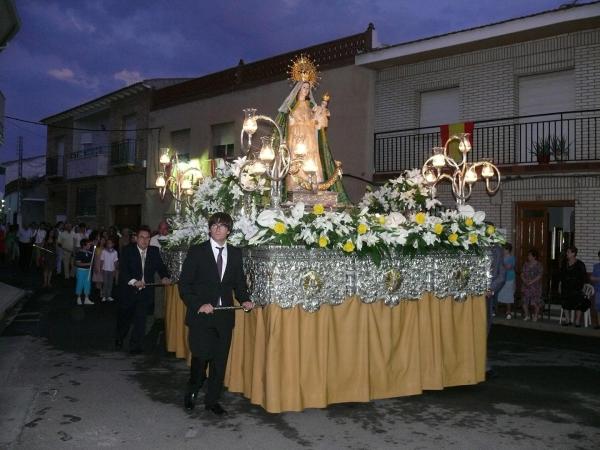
[401, 216]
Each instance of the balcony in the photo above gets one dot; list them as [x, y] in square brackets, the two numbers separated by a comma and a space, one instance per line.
[88, 162]
[509, 142]
[54, 167]
[123, 154]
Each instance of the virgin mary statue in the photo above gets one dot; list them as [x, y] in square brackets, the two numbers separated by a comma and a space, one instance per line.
[303, 134]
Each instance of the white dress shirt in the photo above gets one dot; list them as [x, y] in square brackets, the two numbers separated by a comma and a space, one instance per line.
[141, 252]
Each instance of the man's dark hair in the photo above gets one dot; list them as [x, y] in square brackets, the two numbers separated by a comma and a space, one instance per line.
[83, 242]
[144, 228]
[534, 252]
[222, 218]
[572, 248]
[508, 246]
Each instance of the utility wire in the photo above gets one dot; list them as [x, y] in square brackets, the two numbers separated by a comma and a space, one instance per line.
[81, 129]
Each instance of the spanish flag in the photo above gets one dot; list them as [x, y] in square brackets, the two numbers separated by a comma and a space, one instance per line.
[450, 130]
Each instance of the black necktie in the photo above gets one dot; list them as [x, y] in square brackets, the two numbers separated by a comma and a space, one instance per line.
[220, 262]
[220, 267]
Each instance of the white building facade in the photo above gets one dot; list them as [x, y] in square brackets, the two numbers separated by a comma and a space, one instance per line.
[518, 84]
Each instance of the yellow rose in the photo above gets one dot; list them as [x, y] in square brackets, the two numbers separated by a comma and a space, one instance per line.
[420, 218]
[381, 220]
[453, 238]
[323, 241]
[469, 222]
[438, 228]
[362, 228]
[473, 238]
[279, 228]
[348, 247]
[318, 209]
[491, 229]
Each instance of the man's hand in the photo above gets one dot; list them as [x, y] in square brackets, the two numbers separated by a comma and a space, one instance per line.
[139, 284]
[247, 306]
[166, 281]
[207, 308]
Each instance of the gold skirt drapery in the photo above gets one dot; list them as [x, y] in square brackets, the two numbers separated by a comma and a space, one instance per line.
[289, 359]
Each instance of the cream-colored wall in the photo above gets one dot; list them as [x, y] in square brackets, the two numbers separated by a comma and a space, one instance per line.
[350, 127]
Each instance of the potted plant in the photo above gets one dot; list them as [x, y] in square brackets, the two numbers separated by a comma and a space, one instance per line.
[559, 147]
[542, 150]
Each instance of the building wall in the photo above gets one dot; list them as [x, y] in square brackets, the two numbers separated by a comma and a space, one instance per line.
[488, 78]
[124, 186]
[582, 189]
[350, 127]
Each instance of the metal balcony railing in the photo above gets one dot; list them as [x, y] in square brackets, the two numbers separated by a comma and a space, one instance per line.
[124, 153]
[570, 136]
[90, 152]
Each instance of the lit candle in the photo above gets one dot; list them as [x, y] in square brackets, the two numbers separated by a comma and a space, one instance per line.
[471, 176]
[250, 126]
[186, 184]
[164, 158]
[267, 153]
[487, 171]
[430, 176]
[160, 181]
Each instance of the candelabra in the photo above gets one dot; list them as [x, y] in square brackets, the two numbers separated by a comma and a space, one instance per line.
[461, 175]
[177, 177]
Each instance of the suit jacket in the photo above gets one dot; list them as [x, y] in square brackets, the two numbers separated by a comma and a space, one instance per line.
[130, 267]
[199, 282]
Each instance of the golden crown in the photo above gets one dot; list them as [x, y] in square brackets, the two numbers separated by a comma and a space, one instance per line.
[303, 69]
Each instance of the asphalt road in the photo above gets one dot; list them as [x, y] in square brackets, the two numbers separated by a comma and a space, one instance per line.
[63, 386]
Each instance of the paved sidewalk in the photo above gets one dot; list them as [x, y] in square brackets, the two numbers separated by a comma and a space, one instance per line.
[9, 297]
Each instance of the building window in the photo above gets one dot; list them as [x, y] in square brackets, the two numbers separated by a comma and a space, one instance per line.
[222, 139]
[440, 107]
[86, 201]
[180, 143]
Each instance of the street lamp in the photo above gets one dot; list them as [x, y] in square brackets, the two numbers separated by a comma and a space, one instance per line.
[461, 175]
[177, 177]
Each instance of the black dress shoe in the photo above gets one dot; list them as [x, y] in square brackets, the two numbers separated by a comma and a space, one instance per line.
[136, 351]
[215, 408]
[118, 344]
[189, 400]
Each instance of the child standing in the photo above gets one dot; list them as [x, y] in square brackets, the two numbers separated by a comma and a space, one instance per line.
[83, 261]
[108, 261]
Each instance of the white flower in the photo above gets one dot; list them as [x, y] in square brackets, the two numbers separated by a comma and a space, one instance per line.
[236, 166]
[466, 210]
[431, 203]
[479, 217]
[268, 217]
[298, 211]
[430, 238]
[394, 220]
[247, 226]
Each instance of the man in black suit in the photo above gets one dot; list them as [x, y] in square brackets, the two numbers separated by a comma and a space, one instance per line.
[137, 265]
[210, 273]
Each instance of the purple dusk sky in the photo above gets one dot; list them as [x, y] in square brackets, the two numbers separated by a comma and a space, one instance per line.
[71, 51]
